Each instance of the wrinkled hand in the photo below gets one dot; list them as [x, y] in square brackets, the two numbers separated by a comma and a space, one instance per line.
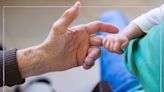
[115, 42]
[74, 46]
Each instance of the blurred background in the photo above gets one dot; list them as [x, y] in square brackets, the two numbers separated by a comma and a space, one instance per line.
[27, 23]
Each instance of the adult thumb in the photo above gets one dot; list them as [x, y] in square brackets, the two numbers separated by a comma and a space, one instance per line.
[67, 18]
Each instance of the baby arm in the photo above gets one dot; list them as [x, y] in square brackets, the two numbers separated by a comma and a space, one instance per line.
[137, 28]
[117, 42]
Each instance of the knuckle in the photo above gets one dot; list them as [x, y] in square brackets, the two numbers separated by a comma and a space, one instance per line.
[66, 13]
[57, 25]
[98, 23]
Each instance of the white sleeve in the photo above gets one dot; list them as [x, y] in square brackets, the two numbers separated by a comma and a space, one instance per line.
[149, 19]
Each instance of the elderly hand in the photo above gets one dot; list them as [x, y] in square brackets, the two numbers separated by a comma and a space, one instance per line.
[65, 47]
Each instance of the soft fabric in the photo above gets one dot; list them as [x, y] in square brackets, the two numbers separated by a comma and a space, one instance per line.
[149, 19]
[12, 74]
[143, 57]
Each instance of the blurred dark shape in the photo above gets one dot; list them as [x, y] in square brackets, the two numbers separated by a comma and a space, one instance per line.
[39, 85]
[1, 48]
[41, 80]
[102, 86]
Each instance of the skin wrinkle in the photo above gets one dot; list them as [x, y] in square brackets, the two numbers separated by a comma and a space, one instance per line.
[50, 54]
[81, 45]
[87, 45]
[76, 49]
[49, 47]
[99, 25]
[85, 28]
[89, 57]
[74, 40]
[95, 40]
[31, 62]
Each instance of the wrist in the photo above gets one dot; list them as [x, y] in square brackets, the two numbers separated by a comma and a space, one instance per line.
[132, 31]
[30, 61]
[125, 35]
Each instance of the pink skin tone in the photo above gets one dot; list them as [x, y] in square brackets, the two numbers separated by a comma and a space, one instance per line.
[117, 42]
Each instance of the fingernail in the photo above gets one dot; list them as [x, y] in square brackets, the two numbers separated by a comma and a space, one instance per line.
[86, 66]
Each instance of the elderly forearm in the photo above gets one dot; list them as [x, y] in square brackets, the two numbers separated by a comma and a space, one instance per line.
[30, 61]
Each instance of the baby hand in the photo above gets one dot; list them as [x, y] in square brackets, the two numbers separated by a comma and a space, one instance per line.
[115, 42]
